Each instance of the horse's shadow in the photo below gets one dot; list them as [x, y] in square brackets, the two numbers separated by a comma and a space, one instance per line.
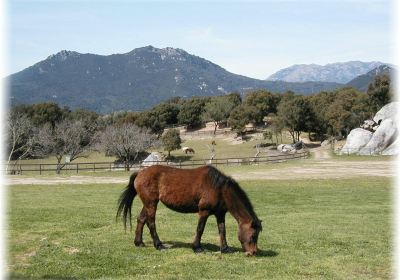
[207, 247]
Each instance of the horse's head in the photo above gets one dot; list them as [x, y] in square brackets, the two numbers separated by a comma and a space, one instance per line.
[248, 236]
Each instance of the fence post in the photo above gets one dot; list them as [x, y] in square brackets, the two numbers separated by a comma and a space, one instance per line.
[40, 169]
[180, 164]
[77, 168]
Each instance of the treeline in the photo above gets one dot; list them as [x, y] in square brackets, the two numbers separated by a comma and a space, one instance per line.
[47, 129]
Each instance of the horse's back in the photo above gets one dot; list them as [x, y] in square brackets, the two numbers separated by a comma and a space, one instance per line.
[182, 190]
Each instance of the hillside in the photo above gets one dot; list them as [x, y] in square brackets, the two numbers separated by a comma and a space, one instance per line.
[361, 82]
[136, 80]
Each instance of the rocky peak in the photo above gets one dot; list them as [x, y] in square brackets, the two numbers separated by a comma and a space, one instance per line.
[63, 55]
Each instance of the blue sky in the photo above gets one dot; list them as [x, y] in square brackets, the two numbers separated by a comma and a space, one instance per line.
[252, 38]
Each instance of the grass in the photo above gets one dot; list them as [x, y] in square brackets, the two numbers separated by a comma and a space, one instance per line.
[313, 229]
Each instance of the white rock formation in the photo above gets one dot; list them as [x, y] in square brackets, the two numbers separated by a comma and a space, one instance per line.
[357, 139]
[393, 149]
[377, 136]
[389, 111]
[383, 137]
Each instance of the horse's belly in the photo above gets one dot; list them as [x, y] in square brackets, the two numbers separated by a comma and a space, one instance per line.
[180, 201]
[182, 208]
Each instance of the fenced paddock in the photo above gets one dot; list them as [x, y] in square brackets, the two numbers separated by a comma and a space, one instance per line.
[112, 166]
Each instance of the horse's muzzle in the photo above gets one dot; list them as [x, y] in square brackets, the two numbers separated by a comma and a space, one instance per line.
[250, 253]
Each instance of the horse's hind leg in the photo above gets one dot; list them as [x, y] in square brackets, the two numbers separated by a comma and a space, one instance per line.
[151, 223]
[139, 228]
[203, 216]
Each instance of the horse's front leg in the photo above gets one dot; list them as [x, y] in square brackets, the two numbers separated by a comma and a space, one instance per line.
[203, 216]
[151, 223]
[222, 232]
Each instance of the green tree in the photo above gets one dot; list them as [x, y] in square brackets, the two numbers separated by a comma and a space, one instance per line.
[265, 102]
[379, 92]
[242, 115]
[191, 112]
[42, 113]
[346, 111]
[296, 115]
[276, 127]
[171, 140]
[218, 110]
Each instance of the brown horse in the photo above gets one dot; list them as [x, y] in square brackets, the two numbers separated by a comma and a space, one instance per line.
[203, 190]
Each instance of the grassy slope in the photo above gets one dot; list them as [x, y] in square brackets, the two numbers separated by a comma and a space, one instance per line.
[313, 229]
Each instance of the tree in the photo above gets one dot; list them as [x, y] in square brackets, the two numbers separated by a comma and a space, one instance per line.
[319, 105]
[126, 141]
[296, 115]
[191, 112]
[242, 115]
[346, 111]
[67, 138]
[265, 102]
[379, 92]
[21, 137]
[276, 127]
[50, 112]
[218, 110]
[171, 140]
[159, 117]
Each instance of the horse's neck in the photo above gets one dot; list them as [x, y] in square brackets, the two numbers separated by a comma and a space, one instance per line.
[237, 208]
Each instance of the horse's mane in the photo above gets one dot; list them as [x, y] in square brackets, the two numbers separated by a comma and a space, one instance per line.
[218, 180]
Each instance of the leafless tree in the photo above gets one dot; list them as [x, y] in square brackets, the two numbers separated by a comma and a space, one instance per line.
[126, 141]
[21, 137]
[68, 137]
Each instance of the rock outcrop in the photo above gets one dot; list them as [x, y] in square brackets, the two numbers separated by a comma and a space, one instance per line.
[383, 137]
[356, 140]
[377, 136]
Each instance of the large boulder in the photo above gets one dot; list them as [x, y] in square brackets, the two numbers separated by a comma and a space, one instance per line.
[389, 111]
[284, 148]
[383, 137]
[393, 149]
[357, 139]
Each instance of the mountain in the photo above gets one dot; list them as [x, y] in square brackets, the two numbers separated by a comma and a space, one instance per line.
[136, 80]
[341, 72]
[361, 82]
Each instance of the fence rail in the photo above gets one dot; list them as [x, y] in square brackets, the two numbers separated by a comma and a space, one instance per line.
[112, 166]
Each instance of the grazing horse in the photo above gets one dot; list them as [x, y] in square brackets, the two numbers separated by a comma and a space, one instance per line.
[203, 190]
[189, 150]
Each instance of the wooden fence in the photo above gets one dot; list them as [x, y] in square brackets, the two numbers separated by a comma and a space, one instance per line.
[112, 166]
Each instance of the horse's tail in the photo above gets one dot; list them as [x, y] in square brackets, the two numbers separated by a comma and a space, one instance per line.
[125, 201]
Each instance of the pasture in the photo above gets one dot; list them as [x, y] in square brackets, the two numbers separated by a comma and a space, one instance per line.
[313, 229]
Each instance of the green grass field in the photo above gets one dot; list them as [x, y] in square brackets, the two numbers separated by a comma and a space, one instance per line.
[313, 229]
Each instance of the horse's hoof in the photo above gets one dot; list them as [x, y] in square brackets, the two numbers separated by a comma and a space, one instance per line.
[226, 250]
[160, 247]
[139, 244]
[198, 250]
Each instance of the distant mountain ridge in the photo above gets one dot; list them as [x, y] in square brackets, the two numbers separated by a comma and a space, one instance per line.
[362, 82]
[136, 80]
[340, 72]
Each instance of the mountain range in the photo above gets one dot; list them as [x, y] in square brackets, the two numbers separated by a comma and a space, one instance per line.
[136, 80]
[340, 72]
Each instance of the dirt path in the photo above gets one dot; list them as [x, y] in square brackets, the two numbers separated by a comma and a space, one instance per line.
[320, 153]
[321, 167]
